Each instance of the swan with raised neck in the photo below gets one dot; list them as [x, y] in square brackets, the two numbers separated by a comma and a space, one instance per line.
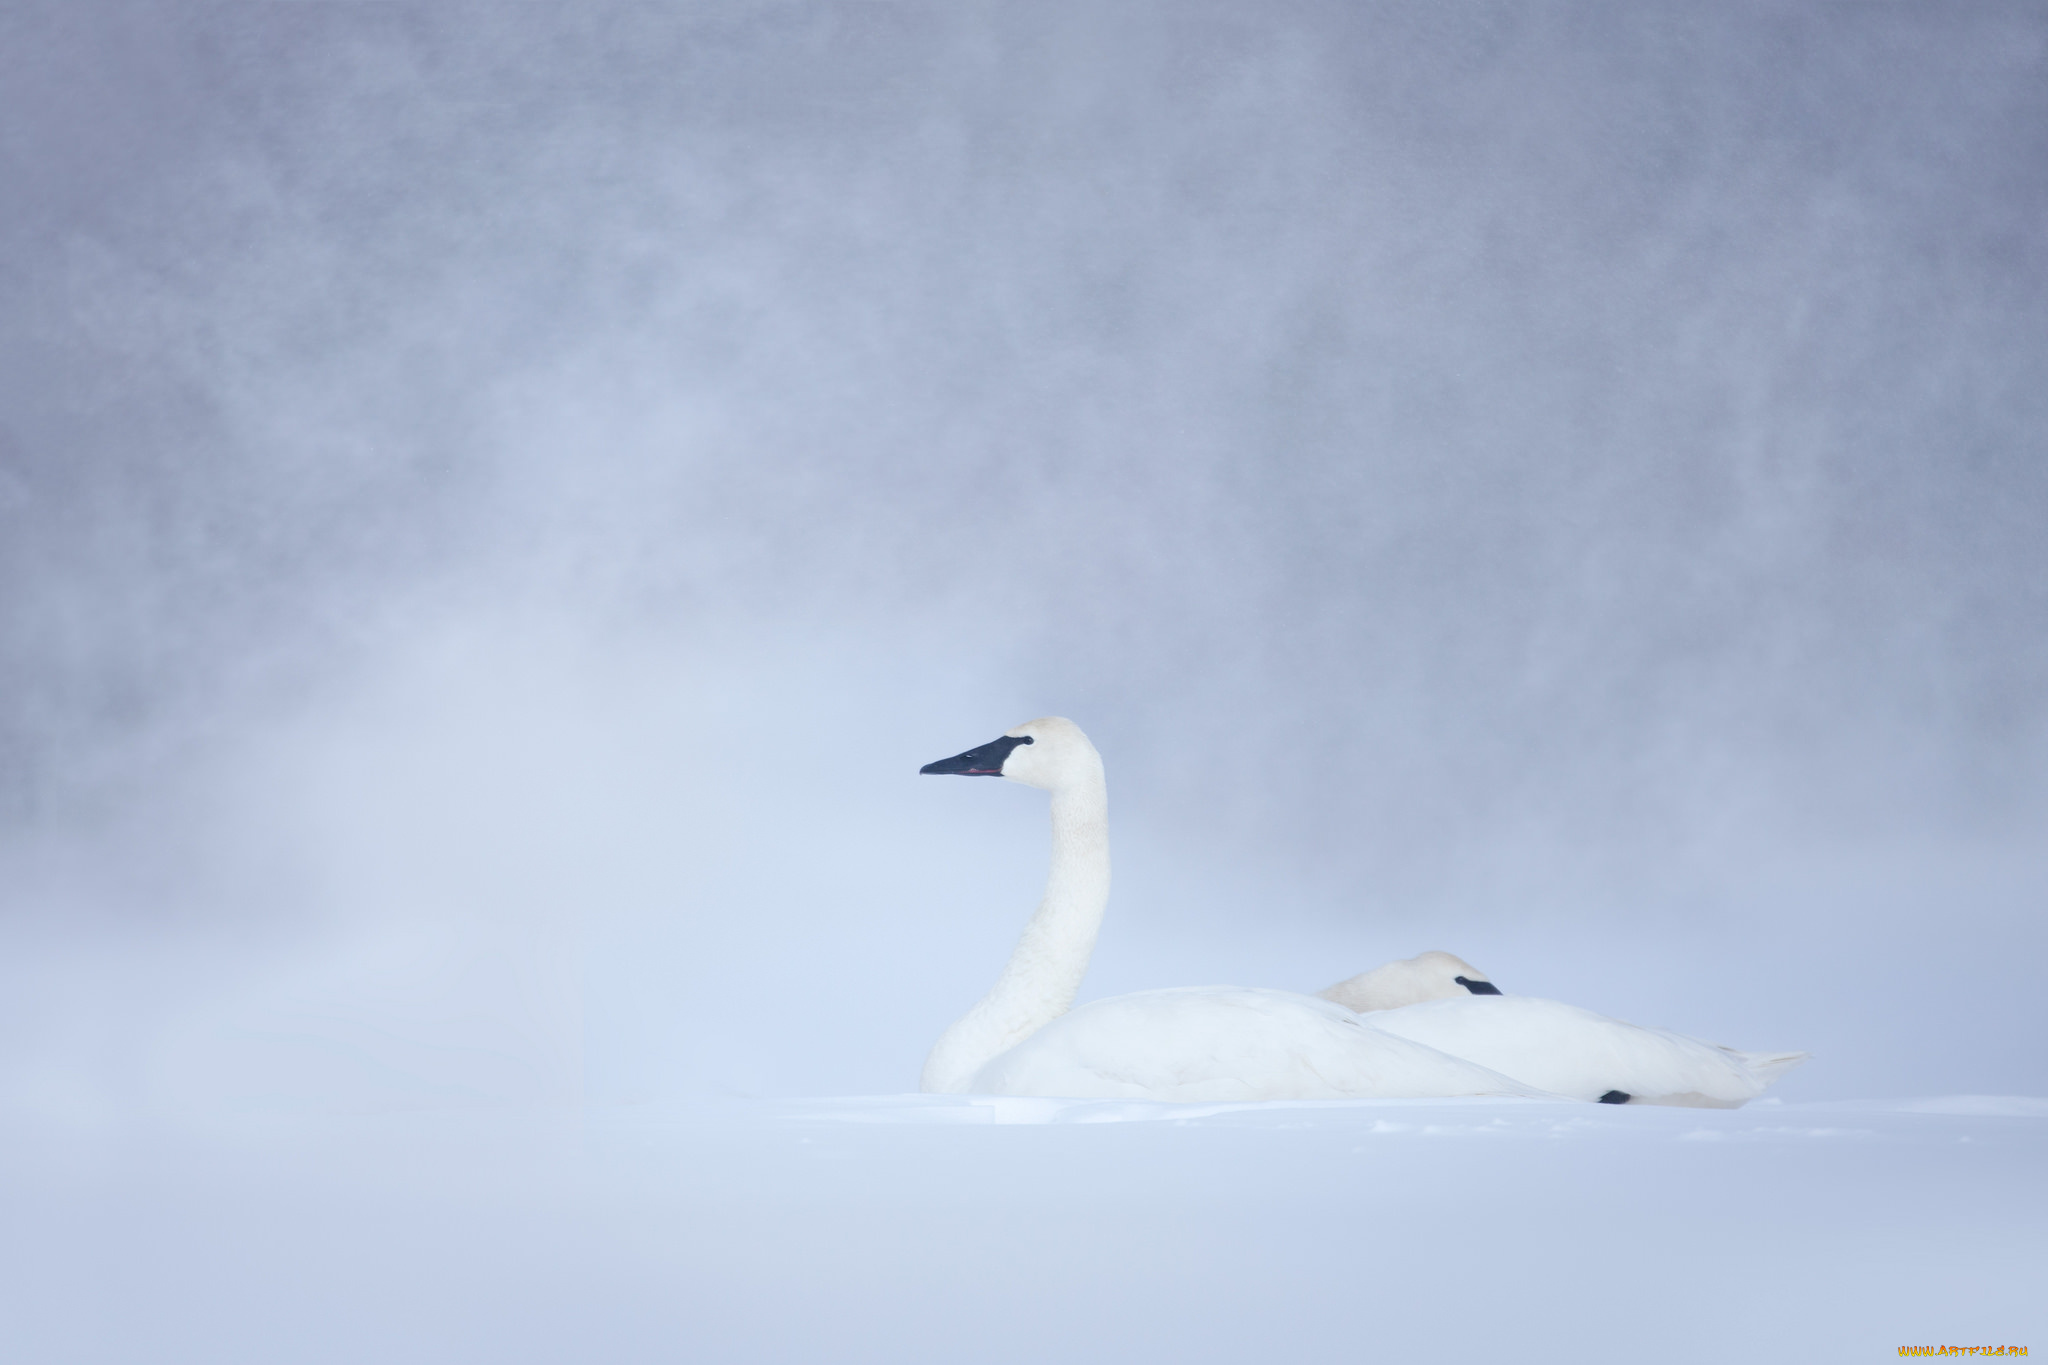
[1240, 1043]
[1045, 969]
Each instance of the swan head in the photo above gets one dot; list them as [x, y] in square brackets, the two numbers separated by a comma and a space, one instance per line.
[1049, 753]
[1426, 976]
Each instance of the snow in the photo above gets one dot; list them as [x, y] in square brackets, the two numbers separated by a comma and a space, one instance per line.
[947, 1228]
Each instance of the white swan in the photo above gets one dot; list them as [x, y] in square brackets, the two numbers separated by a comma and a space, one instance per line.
[1199, 1043]
[1412, 980]
[1553, 1046]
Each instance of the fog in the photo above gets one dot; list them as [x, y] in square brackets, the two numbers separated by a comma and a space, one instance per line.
[496, 503]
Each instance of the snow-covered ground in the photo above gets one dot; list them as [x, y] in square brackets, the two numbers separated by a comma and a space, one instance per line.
[916, 1228]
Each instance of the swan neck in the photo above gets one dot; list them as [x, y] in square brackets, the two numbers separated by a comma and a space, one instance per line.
[1051, 957]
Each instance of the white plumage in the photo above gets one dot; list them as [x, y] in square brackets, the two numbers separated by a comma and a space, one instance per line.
[1227, 1043]
[1412, 980]
[1364, 1037]
[1570, 1051]
[1449, 1004]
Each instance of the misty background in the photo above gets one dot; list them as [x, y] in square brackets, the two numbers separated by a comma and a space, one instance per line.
[497, 503]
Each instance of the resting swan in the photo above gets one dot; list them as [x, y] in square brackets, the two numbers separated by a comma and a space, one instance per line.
[1554, 1046]
[1412, 980]
[1194, 1043]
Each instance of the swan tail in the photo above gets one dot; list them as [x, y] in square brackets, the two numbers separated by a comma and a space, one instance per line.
[1766, 1067]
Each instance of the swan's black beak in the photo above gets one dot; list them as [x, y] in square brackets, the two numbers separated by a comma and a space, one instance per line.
[1477, 987]
[987, 761]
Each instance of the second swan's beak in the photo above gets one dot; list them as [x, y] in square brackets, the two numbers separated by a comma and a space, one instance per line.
[987, 761]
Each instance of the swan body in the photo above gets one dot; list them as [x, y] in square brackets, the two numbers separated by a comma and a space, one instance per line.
[1412, 980]
[1570, 1051]
[1203, 1043]
[1227, 1043]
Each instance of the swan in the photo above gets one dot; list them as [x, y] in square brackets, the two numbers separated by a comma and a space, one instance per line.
[1207, 1043]
[1412, 980]
[1554, 1046]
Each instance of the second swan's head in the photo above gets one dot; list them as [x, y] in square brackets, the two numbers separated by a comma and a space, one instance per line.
[1050, 752]
[1412, 980]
